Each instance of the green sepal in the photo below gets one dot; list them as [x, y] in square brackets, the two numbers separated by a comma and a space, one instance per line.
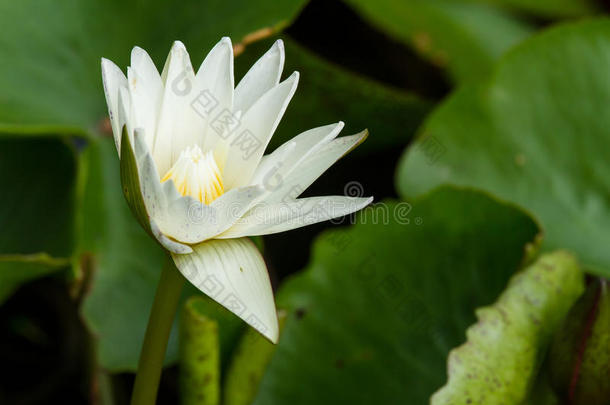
[130, 182]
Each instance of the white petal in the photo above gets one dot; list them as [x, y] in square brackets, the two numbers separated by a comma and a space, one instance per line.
[212, 104]
[146, 90]
[167, 243]
[233, 273]
[279, 217]
[274, 168]
[270, 169]
[261, 77]
[252, 136]
[153, 194]
[125, 112]
[309, 169]
[144, 65]
[184, 219]
[155, 201]
[113, 79]
[310, 141]
[189, 221]
[178, 79]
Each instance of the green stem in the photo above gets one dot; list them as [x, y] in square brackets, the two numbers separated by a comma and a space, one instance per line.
[157, 334]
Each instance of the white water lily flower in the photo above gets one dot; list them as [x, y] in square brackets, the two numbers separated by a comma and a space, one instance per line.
[193, 171]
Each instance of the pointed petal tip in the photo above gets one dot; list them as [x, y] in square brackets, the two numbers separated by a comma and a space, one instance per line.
[274, 338]
[226, 42]
[362, 135]
[107, 64]
[279, 45]
[136, 50]
[292, 81]
[269, 332]
[273, 334]
[138, 53]
[177, 44]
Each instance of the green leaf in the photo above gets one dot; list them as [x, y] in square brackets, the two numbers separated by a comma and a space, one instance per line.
[52, 79]
[37, 216]
[19, 269]
[199, 355]
[38, 196]
[548, 8]
[536, 134]
[328, 94]
[374, 315]
[500, 360]
[465, 37]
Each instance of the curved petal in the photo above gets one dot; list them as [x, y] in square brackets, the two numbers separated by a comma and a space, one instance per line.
[257, 125]
[274, 168]
[269, 171]
[113, 79]
[313, 166]
[266, 219]
[233, 273]
[146, 90]
[212, 104]
[141, 187]
[167, 243]
[145, 67]
[174, 216]
[190, 221]
[262, 76]
[309, 142]
[178, 79]
[125, 112]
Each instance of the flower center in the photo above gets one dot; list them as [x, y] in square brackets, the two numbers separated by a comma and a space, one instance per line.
[196, 174]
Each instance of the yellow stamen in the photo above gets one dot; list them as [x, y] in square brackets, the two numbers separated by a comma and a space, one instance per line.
[196, 174]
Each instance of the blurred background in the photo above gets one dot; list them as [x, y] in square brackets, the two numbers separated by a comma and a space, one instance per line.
[363, 295]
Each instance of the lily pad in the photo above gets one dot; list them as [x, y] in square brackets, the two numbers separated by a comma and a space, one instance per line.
[19, 269]
[536, 133]
[38, 196]
[52, 79]
[37, 216]
[549, 8]
[500, 361]
[374, 315]
[463, 36]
